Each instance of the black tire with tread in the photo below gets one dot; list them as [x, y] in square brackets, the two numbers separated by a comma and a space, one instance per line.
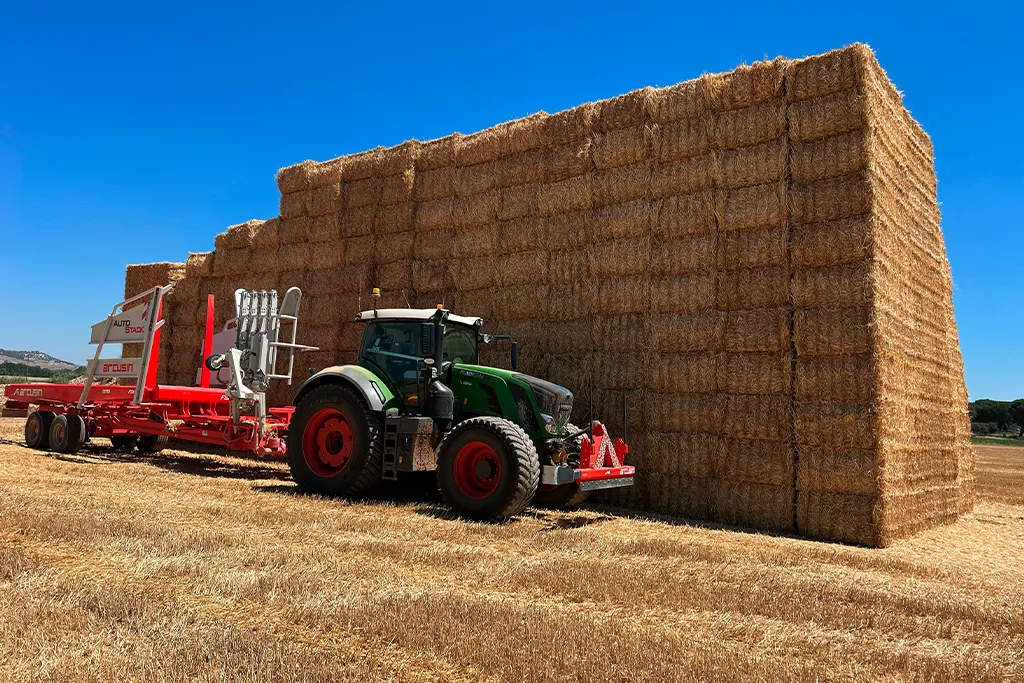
[124, 444]
[364, 470]
[151, 443]
[67, 433]
[42, 439]
[567, 496]
[519, 459]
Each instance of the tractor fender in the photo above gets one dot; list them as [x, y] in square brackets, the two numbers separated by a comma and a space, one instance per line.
[374, 392]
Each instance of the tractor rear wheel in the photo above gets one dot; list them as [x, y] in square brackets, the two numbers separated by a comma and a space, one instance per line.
[67, 433]
[152, 443]
[335, 442]
[124, 444]
[566, 496]
[37, 429]
[488, 468]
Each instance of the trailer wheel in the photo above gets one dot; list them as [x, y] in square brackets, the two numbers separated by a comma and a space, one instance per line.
[488, 468]
[566, 496]
[152, 443]
[67, 433]
[37, 429]
[335, 442]
[124, 444]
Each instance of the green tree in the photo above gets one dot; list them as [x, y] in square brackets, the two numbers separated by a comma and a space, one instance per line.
[1017, 415]
[986, 410]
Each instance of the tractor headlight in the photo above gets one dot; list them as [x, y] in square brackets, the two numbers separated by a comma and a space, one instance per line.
[549, 423]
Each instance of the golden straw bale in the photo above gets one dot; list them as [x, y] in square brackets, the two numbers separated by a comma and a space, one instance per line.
[685, 138]
[623, 147]
[435, 215]
[140, 277]
[392, 219]
[350, 335]
[846, 517]
[239, 236]
[519, 169]
[758, 206]
[753, 505]
[631, 110]
[840, 426]
[364, 164]
[182, 366]
[565, 127]
[231, 261]
[831, 288]
[473, 273]
[686, 100]
[524, 134]
[835, 379]
[393, 247]
[293, 231]
[392, 161]
[566, 161]
[295, 204]
[324, 228]
[756, 462]
[358, 222]
[574, 337]
[436, 153]
[688, 214]
[757, 288]
[685, 373]
[840, 470]
[430, 276]
[520, 303]
[435, 183]
[335, 281]
[266, 235]
[829, 157]
[324, 200]
[681, 294]
[689, 413]
[619, 371]
[827, 73]
[567, 195]
[753, 165]
[747, 86]
[476, 179]
[479, 210]
[687, 497]
[292, 256]
[753, 248]
[397, 189]
[703, 331]
[294, 178]
[519, 234]
[524, 268]
[681, 256]
[620, 185]
[324, 338]
[831, 332]
[359, 250]
[199, 264]
[569, 230]
[757, 417]
[257, 262]
[363, 192]
[822, 117]
[326, 255]
[326, 173]
[481, 147]
[567, 266]
[759, 329]
[686, 176]
[393, 275]
[750, 126]
[474, 242]
[633, 219]
[185, 289]
[517, 201]
[434, 246]
[628, 295]
[621, 333]
[758, 372]
[831, 244]
[620, 258]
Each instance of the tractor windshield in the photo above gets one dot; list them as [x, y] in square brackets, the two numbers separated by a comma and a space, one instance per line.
[460, 344]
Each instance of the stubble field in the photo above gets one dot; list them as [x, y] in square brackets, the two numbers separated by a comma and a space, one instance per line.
[191, 566]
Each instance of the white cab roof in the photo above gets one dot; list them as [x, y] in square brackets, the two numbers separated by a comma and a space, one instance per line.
[421, 314]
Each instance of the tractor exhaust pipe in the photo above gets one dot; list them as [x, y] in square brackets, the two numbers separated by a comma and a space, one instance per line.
[515, 355]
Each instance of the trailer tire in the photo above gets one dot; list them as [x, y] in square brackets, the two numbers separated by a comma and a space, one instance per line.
[37, 429]
[67, 433]
[566, 496]
[124, 444]
[152, 443]
[335, 442]
[488, 468]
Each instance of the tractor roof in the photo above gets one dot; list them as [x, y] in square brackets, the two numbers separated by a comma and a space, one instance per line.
[420, 314]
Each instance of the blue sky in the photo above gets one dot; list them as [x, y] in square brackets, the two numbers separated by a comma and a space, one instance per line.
[135, 132]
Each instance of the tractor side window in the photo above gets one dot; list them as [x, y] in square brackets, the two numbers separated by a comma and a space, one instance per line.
[460, 343]
[394, 347]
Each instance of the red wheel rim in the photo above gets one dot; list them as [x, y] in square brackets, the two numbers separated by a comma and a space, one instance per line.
[58, 431]
[34, 429]
[477, 470]
[327, 442]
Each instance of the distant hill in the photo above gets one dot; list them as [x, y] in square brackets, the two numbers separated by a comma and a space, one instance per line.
[35, 358]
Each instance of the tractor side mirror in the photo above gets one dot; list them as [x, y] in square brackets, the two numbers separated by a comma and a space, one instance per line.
[428, 340]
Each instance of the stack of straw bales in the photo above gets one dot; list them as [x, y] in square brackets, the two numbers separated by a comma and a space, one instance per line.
[755, 255]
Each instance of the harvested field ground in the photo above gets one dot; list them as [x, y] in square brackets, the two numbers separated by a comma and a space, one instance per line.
[202, 567]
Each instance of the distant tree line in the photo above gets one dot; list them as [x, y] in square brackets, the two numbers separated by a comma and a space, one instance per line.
[997, 417]
[25, 370]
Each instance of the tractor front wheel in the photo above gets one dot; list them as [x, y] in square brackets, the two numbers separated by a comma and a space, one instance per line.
[335, 442]
[487, 469]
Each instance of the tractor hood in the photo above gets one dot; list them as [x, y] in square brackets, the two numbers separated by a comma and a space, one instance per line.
[551, 399]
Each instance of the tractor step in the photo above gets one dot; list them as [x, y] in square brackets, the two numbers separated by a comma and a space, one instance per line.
[389, 462]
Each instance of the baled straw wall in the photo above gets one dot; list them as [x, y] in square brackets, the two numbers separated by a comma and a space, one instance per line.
[755, 255]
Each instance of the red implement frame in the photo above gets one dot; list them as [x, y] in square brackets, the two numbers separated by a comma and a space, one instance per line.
[197, 414]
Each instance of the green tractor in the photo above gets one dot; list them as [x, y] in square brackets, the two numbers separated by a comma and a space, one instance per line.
[417, 399]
